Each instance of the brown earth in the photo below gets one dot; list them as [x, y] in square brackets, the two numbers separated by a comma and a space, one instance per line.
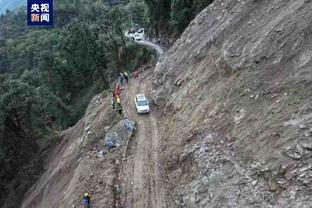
[128, 177]
[142, 176]
[231, 125]
[235, 92]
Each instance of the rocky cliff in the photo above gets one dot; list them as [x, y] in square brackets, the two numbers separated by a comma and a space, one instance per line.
[236, 89]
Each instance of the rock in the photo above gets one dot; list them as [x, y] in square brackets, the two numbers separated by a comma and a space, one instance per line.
[306, 181]
[302, 175]
[293, 155]
[307, 146]
[204, 148]
[273, 186]
[305, 168]
[307, 133]
[179, 83]
[302, 126]
[106, 128]
[119, 134]
[254, 183]
[299, 149]
[283, 183]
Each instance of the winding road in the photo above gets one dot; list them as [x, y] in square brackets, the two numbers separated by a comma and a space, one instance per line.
[150, 44]
[158, 49]
[142, 174]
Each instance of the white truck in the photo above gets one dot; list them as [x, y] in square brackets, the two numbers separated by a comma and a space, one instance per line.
[136, 35]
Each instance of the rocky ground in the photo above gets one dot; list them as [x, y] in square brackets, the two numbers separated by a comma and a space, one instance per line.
[82, 162]
[114, 158]
[236, 89]
[231, 123]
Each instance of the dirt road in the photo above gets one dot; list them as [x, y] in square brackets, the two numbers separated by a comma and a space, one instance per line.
[142, 182]
[157, 48]
[150, 44]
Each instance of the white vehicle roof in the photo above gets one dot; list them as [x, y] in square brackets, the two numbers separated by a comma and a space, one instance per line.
[140, 97]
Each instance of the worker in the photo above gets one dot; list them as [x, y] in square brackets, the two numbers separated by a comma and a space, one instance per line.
[113, 103]
[126, 77]
[86, 200]
[120, 109]
[113, 93]
[136, 73]
[118, 100]
[117, 90]
[121, 78]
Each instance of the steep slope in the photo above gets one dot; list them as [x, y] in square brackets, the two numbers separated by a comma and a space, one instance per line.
[79, 163]
[236, 89]
[232, 124]
[130, 176]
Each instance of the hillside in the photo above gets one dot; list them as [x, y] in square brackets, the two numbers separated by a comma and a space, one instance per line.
[230, 125]
[236, 89]
[48, 75]
[10, 5]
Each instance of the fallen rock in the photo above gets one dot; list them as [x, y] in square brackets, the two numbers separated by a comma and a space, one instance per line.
[119, 134]
[302, 126]
[307, 146]
[293, 155]
[106, 128]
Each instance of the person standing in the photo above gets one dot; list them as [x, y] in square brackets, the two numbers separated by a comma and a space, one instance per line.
[86, 200]
[113, 103]
[121, 78]
[119, 107]
[120, 110]
[118, 100]
[126, 77]
[117, 90]
[136, 73]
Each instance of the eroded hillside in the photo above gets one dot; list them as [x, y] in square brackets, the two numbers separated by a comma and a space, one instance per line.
[77, 164]
[231, 125]
[236, 88]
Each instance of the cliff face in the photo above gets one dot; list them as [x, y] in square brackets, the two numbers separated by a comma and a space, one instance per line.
[79, 163]
[236, 88]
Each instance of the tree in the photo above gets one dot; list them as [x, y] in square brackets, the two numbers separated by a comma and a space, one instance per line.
[17, 105]
[79, 52]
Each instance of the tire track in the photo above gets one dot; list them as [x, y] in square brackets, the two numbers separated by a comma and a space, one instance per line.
[143, 184]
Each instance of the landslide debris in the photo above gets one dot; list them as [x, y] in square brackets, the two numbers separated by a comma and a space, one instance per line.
[120, 134]
[236, 93]
[82, 163]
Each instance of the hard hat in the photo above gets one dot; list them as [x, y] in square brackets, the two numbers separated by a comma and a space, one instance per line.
[86, 194]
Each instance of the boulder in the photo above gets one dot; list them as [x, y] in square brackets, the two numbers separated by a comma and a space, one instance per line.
[119, 134]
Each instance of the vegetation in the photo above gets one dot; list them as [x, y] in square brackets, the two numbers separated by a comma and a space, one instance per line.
[83, 52]
[173, 16]
[49, 74]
